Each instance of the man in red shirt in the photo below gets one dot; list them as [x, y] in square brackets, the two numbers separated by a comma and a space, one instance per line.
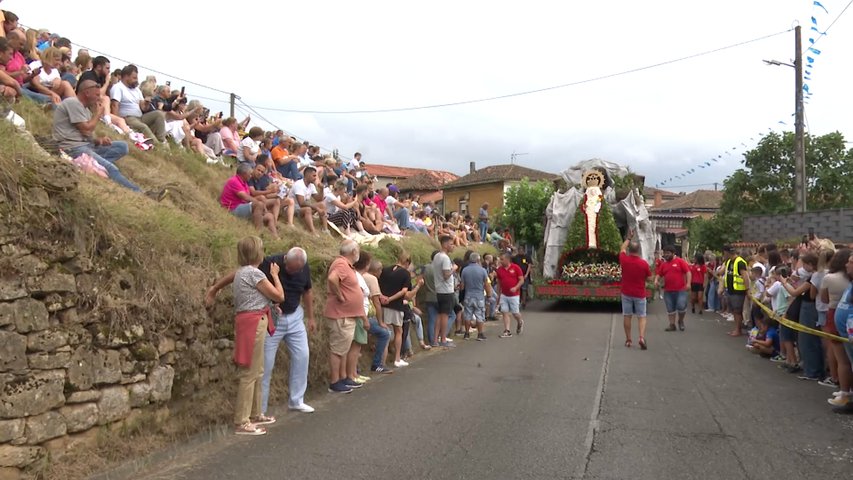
[511, 280]
[635, 272]
[675, 273]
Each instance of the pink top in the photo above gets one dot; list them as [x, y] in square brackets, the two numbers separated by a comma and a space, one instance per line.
[229, 198]
[380, 203]
[15, 63]
[230, 139]
[353, 304]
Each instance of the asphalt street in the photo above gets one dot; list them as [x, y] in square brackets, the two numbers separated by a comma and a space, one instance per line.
[566, 400]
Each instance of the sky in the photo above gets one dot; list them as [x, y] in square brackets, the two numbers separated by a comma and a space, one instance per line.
[345, 56]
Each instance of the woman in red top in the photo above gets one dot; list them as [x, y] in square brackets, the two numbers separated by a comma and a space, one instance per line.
[698, 272]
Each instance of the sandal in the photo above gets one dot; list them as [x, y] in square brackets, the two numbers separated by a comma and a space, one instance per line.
[249, 428]
[263, 420]
[643, 343]
[628, 343]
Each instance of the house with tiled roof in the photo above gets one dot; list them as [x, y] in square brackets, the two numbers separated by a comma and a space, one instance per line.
[487, 185]
[419, 182]
[671, 218]
[655, 197]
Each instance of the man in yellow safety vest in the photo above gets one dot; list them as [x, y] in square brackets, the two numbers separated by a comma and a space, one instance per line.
[736, 282]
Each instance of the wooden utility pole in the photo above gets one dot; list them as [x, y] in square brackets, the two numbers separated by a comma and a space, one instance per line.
[233, 100]
[800, 181]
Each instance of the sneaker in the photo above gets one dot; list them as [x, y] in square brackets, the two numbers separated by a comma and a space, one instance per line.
[382, 369]
[433, 345]
[681, 325]
[401, 363]
[447, 344]
[352, 384]
[263, 420]
[520, 328]
[481, 337]
[458, 333]
[828, 382]
[778, 358]
[670, 328]
[362, 379]
[157, 195]
[339, 387]
[840, 401]
[467, 336]
[506, 334]
[794, 368]
[302, 407]
[806, 377]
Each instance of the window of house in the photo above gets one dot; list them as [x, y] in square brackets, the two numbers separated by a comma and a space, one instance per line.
[463, 207]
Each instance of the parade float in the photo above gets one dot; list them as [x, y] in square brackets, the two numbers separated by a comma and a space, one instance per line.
[587, 219]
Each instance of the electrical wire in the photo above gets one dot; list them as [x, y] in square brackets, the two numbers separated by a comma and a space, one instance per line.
[528, 92]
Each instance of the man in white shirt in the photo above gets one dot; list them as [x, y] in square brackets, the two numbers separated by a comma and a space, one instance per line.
[308, 196]
[127, 102]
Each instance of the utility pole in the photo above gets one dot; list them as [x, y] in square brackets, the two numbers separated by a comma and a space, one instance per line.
[233, 100]
[800, 182]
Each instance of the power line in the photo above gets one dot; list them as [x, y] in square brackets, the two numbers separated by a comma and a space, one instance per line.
[528, 92]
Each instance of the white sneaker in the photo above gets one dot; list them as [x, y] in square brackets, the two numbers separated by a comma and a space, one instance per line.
[401, 363]
[302, 407]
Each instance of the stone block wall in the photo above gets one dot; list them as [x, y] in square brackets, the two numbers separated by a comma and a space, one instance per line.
[833, 224]
[65, 372]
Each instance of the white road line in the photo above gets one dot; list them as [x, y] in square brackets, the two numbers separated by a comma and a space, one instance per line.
[596, 404]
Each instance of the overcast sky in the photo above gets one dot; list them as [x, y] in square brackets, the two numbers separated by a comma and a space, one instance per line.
[341, 56]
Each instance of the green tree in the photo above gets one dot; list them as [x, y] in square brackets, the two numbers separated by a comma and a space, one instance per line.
[765, 185]
[524, 211]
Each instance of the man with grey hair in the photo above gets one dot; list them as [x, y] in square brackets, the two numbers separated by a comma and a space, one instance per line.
[635, 272]
[475, 281]
[288, 316]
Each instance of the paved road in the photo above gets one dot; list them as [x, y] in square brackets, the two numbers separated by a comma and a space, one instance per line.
[565, 400]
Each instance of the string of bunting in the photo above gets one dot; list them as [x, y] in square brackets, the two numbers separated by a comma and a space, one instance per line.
[810, 55]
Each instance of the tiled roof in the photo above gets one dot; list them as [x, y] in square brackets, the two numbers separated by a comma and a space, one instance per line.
[433, 197]
[500, 173]
[389, 171]
[698, 200]
[426, 180]
[650, 192]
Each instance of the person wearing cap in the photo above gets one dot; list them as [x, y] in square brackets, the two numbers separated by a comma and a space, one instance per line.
[736, 283]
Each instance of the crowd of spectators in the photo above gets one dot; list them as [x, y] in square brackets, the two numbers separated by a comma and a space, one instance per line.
[810, 285]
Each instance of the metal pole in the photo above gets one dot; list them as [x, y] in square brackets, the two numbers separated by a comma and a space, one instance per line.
[800, 182]
[233, 100]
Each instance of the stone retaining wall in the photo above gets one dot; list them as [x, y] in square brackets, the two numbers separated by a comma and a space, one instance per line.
[64, 374]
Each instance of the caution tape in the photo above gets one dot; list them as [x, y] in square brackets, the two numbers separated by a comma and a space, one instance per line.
[798, 327]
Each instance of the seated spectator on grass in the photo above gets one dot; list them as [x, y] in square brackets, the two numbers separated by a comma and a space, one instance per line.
[273, 187]
[49, 80]
[83, 62]
[250, 146]
[206, 129]
[31, 51]
[230, 137]
[73, 127]
[343, 214]
[68, 70]
[17, 68]
[10, 90]
[286, 162]
[10, 22]
[100, 74]
[128, 102]
[308, 199]
[237, 198]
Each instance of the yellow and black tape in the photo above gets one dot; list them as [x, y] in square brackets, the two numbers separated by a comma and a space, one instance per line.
[796, 326]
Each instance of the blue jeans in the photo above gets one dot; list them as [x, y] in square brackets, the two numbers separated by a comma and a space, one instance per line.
[432, 314]
[106, 156]
[383, 336]
[811, 348]
[291, 329]
[713, 296]
[70, 78]
[402, 216]
[484, 227]
[35, 96]
[418, 325]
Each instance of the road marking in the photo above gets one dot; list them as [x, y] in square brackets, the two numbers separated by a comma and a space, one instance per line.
[594, 423]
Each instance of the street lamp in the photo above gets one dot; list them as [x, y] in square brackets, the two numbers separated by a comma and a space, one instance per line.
[800, 183]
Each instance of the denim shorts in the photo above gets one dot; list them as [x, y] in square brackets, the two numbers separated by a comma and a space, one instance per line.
[475, 309]
[675, 301]
[633, 306]
[244, 210]
[510, 304]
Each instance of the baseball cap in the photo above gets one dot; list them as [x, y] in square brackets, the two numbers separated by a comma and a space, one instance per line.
[394, 189]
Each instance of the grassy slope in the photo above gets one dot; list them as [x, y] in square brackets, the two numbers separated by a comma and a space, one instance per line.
[168, 252]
